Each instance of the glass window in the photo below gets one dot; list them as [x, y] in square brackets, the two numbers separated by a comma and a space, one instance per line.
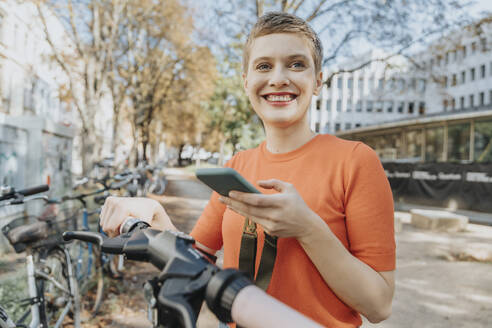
[453, 103]
[462, 102]
[482, 71]
[453, 81]
[414, 145]
[328, 105]
[316, 127]
[401, 84]
[410, 107]
[464, 51]
[348, 126]
[337, 127]
[434, 144]
[459, 142]
[361, 87]
[380, 84]
[369, 106]
[389, 106]
[357, 125]
[483, 141]
[473, 47]
[472, 101]
[358, 107]
[446, 59]
[379, 106]
[350, 83]
[401, 105]
[387, 146]
[445, 105]
[339, 82]
[472, 74]
[482, 98]
[413, 83]
[445, 82]
[422, 85]
[349, 106]
[463, 77]
[339, 105]
[318, 104]
[421, 108]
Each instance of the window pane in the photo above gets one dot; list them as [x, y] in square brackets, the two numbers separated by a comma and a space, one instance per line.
[388, 147]
[459, 142]
[483, 141]
[434, 144]
[414, 145]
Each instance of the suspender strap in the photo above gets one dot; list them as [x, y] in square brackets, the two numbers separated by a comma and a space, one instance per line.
[247, 255]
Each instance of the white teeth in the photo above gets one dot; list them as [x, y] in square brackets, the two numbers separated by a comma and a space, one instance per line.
[280, 98]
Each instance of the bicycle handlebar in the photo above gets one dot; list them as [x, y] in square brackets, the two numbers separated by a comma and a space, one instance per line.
[188, 278]
[25, 192]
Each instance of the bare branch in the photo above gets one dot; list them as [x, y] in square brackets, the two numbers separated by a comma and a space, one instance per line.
[296, 6]
[316, 11]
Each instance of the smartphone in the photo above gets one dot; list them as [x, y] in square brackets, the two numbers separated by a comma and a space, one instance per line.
[223, 180]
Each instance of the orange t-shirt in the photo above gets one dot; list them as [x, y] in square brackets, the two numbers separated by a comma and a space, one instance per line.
[345, 184]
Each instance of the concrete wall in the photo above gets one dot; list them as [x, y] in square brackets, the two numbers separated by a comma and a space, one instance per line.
[31, 150]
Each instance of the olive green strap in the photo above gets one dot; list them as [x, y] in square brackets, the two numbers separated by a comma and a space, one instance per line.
[247, 255]
[267, 262]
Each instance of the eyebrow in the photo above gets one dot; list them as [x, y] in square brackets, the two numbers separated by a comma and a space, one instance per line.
[291, 57]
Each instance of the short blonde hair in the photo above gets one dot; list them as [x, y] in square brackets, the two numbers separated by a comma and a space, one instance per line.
[279, 22]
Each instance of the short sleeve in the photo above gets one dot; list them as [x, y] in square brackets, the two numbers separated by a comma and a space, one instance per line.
[369, 210]
[208, 229]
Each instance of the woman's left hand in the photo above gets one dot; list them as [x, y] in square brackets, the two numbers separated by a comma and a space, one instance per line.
[284, 214]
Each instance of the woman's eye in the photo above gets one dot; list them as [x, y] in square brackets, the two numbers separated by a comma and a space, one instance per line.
[262, 67]
[298, 65]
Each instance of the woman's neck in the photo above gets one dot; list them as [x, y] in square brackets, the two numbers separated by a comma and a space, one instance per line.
[284, 140]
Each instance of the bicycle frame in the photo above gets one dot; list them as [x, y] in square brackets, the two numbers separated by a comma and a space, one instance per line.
[37, 301]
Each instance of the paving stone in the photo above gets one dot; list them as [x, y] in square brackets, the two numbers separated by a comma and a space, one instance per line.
[438, 220]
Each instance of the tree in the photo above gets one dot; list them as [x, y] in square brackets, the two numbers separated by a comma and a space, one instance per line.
[92, 28]
[165, 73]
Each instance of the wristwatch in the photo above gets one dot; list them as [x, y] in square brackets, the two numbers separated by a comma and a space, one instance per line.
[130, 224]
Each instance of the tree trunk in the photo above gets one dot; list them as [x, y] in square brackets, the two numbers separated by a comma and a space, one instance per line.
[180, 154]
[221, 152]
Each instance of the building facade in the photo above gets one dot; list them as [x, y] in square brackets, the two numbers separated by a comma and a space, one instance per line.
[454, 74]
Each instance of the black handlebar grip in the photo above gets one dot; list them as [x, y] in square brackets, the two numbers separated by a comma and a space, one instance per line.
[34, 190]
[26, 192]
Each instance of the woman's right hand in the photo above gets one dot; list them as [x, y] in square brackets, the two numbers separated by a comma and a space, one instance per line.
[117, 210]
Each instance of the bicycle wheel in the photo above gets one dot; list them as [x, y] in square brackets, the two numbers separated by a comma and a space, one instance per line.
[91, 287]
[58, 288]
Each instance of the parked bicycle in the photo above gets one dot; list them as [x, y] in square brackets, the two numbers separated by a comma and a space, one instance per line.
[90, 263]
[188, 278]
[52, 286]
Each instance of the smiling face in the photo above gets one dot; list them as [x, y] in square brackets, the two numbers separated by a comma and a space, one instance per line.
[281, 78]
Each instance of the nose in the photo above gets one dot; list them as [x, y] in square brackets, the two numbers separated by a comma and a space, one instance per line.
[279, 78]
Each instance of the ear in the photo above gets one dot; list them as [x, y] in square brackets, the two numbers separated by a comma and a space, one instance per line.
[319, 83]
[245, 82]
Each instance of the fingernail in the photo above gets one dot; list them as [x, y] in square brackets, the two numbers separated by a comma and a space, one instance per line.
[221, 199]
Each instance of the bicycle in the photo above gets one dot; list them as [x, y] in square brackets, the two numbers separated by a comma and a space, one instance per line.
[188, 278]
[90, 262]
[52, 287]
